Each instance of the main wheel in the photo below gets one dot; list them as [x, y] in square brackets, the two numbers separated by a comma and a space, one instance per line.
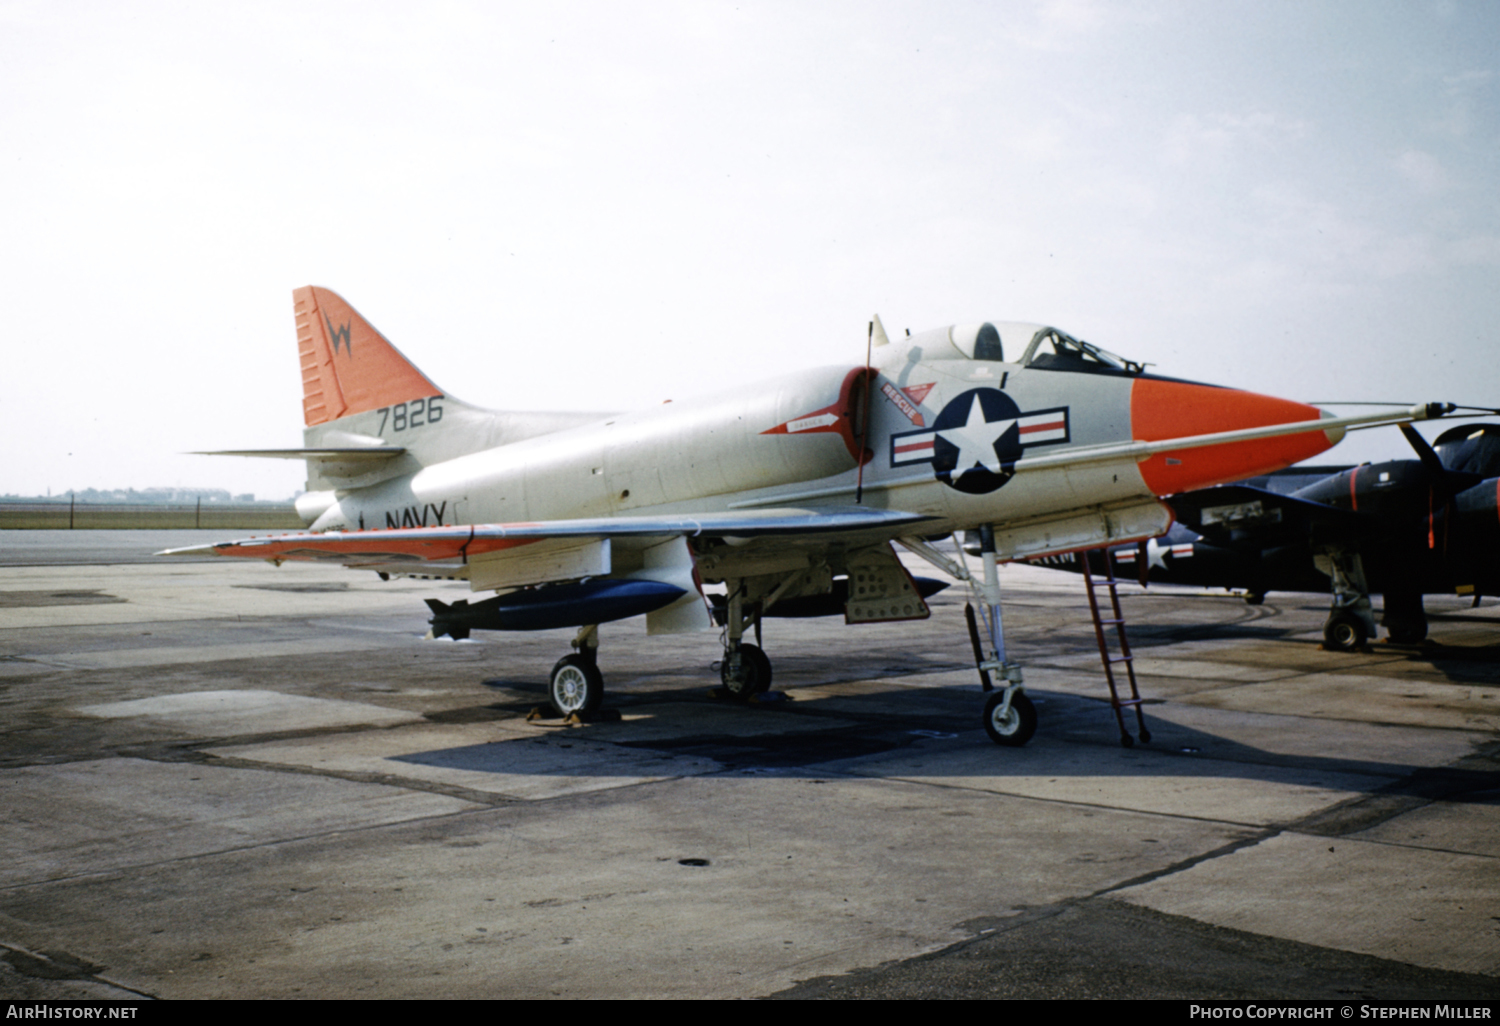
[1015, 728]
[576, 686]
[755, 673]
[1344, 632]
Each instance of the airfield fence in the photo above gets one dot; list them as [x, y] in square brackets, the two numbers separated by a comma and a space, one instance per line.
[147, 516]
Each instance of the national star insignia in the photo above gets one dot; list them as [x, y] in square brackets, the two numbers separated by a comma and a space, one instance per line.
[1156, 555]
[976, 441]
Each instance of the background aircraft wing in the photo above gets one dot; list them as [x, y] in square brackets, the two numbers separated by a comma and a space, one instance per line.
[1246, 515]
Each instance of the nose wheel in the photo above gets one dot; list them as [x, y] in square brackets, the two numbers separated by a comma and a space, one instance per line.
[1009, 718]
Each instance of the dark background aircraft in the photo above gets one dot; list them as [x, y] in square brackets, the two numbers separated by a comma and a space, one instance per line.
[1401, 529]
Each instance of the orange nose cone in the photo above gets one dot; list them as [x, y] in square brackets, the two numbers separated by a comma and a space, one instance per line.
[1177, 409]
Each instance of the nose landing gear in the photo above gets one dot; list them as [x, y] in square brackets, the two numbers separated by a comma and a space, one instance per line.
[1009, 717]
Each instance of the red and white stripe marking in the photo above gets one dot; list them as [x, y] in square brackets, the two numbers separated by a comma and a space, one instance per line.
[913, 448]
[1051, 426]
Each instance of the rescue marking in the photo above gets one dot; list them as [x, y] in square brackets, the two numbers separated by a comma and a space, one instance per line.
[901, 403]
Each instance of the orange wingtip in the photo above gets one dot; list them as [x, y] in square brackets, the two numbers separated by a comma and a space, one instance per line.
[347, 366]
[374, 546]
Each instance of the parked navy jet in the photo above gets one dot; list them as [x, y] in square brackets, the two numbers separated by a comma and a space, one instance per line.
[1404, 529]
[793, 489]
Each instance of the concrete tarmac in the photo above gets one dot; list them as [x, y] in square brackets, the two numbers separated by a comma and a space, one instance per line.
[223, 779]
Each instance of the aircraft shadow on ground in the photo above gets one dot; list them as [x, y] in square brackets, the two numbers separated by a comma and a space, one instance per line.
[1142, 635]
[1460, 663]
[1468, 664]
[1463, 664]
[868, 737]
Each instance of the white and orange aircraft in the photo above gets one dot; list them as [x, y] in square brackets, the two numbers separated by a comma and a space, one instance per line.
[789, 492]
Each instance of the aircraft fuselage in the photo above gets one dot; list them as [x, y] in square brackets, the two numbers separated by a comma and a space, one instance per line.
[948, 437]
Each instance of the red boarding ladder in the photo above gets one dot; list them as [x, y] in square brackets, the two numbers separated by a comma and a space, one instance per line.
[1118, 622]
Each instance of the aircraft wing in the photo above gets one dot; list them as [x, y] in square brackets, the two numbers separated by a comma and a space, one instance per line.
[1246, 515]
[501, 556]
[463, 543]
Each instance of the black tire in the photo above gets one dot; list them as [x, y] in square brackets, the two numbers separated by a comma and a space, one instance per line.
[755, 673]
[1017, 727]
[1344, 633]
[762, 669]
[576, 686]
[1406, 633]
[1254, 598]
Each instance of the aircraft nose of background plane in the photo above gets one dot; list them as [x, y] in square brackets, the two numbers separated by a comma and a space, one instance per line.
[1176, 409]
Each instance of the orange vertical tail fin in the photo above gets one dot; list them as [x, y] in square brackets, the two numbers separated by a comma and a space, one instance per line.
[347, 366]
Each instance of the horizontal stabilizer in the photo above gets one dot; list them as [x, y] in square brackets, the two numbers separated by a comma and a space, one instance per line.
[363, 454]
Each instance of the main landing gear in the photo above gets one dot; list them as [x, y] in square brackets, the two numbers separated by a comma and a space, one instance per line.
[746, 669]
[1351, 620]
[1344, 631]
[1405, 621]
[745, 672]
[882, 592]
[576, 687]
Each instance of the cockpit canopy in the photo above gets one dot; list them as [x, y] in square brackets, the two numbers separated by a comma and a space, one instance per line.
[1046, 348]
[1474, 448]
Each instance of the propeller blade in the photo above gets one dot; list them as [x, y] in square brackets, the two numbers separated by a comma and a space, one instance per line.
[1446, 483]
[1425, 452]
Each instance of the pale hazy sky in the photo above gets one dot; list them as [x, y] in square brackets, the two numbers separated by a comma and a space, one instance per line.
[603, 205]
